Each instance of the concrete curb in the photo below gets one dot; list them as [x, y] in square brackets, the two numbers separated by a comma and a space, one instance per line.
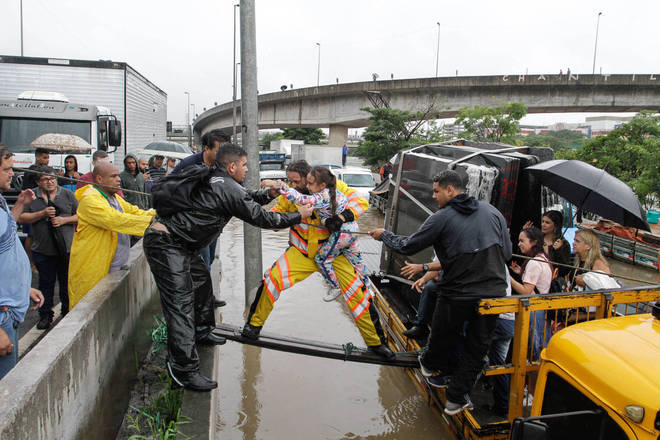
[75, 383]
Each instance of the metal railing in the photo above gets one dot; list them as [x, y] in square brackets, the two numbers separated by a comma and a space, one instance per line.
[560, 310]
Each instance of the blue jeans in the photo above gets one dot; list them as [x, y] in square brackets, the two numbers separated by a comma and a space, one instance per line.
[51, 268]
[10, 326]
[497, 354]
[427, 303]
[208, 254]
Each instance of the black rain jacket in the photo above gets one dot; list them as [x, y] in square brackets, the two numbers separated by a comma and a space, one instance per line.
[211, 203]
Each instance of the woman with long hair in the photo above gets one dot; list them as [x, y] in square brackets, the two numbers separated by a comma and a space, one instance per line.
[554, 245]
[70, 170]
[586, 245]
[536, 274]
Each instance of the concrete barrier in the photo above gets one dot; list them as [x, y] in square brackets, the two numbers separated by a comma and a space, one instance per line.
[75, 383]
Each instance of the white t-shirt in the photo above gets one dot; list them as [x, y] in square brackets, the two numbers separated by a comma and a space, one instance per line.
[538, 274]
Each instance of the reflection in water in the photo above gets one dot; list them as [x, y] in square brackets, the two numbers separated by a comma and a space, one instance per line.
[266, 394]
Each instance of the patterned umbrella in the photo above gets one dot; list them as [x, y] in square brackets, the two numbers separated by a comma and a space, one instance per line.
[60, 143]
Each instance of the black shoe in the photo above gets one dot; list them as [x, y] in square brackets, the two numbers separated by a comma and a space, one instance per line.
[382, 350]
[251, 331]
[212, 339]
[439, 381]
[219, 302]
[45, 322]
[192, 380]
[417, 332]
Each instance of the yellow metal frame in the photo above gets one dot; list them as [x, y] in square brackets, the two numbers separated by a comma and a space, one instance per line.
[464, 424]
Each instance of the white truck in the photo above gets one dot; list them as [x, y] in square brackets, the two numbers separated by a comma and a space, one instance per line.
[91, 99]
[284, 145]
[317, 155]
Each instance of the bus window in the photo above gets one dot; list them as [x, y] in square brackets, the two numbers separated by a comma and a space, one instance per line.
[561, 397]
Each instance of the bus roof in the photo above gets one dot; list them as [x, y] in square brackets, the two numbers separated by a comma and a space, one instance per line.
[616, 359]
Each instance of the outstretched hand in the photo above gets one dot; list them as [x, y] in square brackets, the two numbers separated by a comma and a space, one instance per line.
[376, 233]
[409, 270]
[306, 211]
[25, 197]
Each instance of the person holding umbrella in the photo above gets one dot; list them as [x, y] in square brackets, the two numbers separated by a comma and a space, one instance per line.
[53, 216]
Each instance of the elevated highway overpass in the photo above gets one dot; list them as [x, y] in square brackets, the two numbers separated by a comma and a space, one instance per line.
[338, 106]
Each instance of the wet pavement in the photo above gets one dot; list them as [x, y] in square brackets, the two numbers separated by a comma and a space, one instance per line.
[266, 394]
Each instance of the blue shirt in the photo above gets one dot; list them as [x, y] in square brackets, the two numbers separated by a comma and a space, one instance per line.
[194, 159]
[15, 272]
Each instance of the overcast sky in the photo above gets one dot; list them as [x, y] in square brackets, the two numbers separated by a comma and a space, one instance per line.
[187, 45]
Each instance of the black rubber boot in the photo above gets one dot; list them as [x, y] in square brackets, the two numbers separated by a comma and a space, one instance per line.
[192, 380]
[382, 350]
[212, 339]
[251, 331]
[417, 332]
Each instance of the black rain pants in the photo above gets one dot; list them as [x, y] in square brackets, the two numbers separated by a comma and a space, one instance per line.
[186, 296]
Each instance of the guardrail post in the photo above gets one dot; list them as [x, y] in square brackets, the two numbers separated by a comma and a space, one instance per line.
[519, 360]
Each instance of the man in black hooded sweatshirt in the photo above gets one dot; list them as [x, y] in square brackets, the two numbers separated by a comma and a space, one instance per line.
[471, 241]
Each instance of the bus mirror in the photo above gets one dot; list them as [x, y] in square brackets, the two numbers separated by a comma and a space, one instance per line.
[529, 430]
[114, 132]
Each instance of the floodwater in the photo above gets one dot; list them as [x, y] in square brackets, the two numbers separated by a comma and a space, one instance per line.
[267, 394]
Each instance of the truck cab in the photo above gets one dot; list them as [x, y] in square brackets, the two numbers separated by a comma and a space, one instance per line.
[35, 113]
[598, 379]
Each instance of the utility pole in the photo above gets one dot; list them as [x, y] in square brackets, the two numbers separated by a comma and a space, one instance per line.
[233, 102]
[21, 27]
[593, 69]
[250, 140]
[437, 52]
[188, 120]
[318, 68]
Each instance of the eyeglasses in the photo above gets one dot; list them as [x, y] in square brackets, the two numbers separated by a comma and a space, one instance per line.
[48, 179]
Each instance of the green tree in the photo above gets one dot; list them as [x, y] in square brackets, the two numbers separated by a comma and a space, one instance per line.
[555, 139]
[630, 152]
[492, 124]
[266, 138]
[308, 135]
[391, 130]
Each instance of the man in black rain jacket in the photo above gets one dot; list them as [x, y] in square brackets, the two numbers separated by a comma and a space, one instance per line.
[472, 242]
[172, 244]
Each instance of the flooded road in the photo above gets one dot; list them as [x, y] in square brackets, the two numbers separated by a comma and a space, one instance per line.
[266, 394]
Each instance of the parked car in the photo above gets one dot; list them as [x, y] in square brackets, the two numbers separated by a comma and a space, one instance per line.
[359, 178]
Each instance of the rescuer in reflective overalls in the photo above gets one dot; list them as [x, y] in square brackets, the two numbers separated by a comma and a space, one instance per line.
[297, 263]
[196, 205]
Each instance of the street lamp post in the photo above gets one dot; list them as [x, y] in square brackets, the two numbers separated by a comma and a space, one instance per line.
[318, 69]
[233, 103]
[21, 27]
[437, 53]
[188, 120]
[593, 69]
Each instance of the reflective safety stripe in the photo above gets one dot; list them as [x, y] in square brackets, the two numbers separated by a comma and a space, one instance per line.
[357, 287]
[278, 278]
[296, 241]
[352, 289]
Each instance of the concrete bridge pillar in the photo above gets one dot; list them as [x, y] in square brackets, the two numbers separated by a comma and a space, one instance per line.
[338, 135]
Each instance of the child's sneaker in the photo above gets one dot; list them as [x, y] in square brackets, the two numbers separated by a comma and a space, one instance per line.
[331, 295]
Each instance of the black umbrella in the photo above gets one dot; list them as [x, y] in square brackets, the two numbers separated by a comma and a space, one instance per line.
[593, 190]
[56, 232]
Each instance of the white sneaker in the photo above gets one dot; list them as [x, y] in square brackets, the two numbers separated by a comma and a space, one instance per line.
[331, 295]
[528, 398]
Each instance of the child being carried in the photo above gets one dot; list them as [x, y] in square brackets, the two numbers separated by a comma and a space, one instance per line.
[322, 185]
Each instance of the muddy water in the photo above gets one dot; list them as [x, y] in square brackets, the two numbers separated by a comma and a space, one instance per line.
[266, 394]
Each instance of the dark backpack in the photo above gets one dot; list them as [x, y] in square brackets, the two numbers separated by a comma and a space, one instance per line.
[173, 193]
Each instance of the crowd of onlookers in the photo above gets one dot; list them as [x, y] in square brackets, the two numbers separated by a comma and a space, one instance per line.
[74, 233]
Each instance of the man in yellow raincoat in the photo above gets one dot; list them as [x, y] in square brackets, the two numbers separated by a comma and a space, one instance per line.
[297, 263]
[101, 243]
